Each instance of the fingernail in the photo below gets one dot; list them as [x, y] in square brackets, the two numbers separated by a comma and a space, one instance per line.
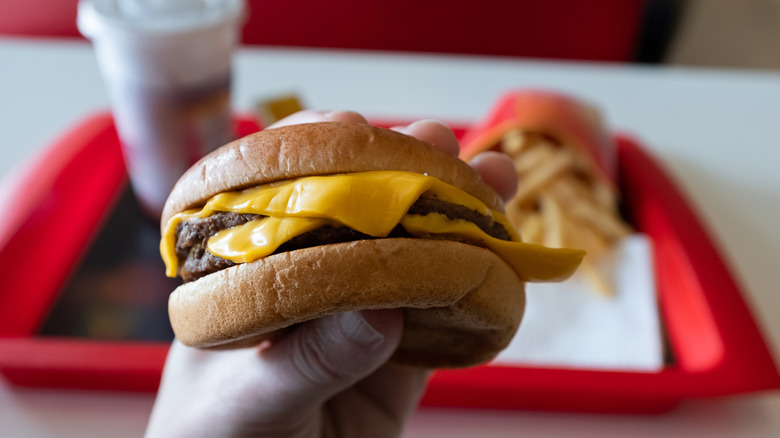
[429, 122]
[354, 326]
[330, 114]
[343, 116]
[337, 115]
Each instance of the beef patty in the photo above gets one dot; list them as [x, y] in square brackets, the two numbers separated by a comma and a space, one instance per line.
[196, 261]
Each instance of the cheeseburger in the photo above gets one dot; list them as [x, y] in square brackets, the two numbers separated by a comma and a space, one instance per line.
[297, 222]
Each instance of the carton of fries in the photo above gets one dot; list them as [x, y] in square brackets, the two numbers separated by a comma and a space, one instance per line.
[565, 161]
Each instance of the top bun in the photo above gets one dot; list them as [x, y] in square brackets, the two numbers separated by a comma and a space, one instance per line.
[295, 151]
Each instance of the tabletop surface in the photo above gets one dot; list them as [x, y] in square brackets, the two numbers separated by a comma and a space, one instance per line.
[716, 132]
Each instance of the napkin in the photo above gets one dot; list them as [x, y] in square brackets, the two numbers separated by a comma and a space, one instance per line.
[569, 325]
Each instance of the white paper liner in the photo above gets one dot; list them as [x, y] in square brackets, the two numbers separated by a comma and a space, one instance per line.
[568, 325]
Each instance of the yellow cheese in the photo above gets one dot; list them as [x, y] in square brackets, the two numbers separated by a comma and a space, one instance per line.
[370, 202]
[531, 262]
[259, 238]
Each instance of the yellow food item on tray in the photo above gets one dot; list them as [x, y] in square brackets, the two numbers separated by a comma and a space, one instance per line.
[563, 201]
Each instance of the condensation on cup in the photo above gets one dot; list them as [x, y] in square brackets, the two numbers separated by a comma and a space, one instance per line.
[167, 67]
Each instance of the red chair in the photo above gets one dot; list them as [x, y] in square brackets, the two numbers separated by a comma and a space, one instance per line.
[599, 30]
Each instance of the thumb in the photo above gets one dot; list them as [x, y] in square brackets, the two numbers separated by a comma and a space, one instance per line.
[323, 357]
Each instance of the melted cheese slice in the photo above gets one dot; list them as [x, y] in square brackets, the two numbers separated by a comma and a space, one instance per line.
[531, 262]
[370, 202]
[259, 238]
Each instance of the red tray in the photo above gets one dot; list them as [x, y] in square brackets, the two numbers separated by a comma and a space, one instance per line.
[70, 190]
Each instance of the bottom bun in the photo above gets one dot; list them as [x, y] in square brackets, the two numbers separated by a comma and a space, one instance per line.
[462, 303]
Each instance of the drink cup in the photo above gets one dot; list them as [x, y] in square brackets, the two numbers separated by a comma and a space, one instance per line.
[167, 67]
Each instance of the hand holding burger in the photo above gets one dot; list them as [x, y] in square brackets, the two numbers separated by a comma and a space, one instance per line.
[454, 272]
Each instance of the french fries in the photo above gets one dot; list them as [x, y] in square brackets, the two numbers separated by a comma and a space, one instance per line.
[562, 201]
[272, 109]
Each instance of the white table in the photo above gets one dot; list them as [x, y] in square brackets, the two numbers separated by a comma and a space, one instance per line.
[717, 131]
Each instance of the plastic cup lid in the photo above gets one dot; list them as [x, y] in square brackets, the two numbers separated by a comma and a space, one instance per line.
[98, 18]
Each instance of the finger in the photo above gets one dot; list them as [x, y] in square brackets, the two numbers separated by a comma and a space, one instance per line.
[498, 170]
[312, 116]
[323, 357]
[434, 132]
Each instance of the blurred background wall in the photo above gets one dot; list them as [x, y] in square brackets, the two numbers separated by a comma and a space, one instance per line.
[728, 33]
[703, 33]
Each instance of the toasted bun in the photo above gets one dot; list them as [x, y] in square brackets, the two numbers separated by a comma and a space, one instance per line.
[462, 303]
[318, 149]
